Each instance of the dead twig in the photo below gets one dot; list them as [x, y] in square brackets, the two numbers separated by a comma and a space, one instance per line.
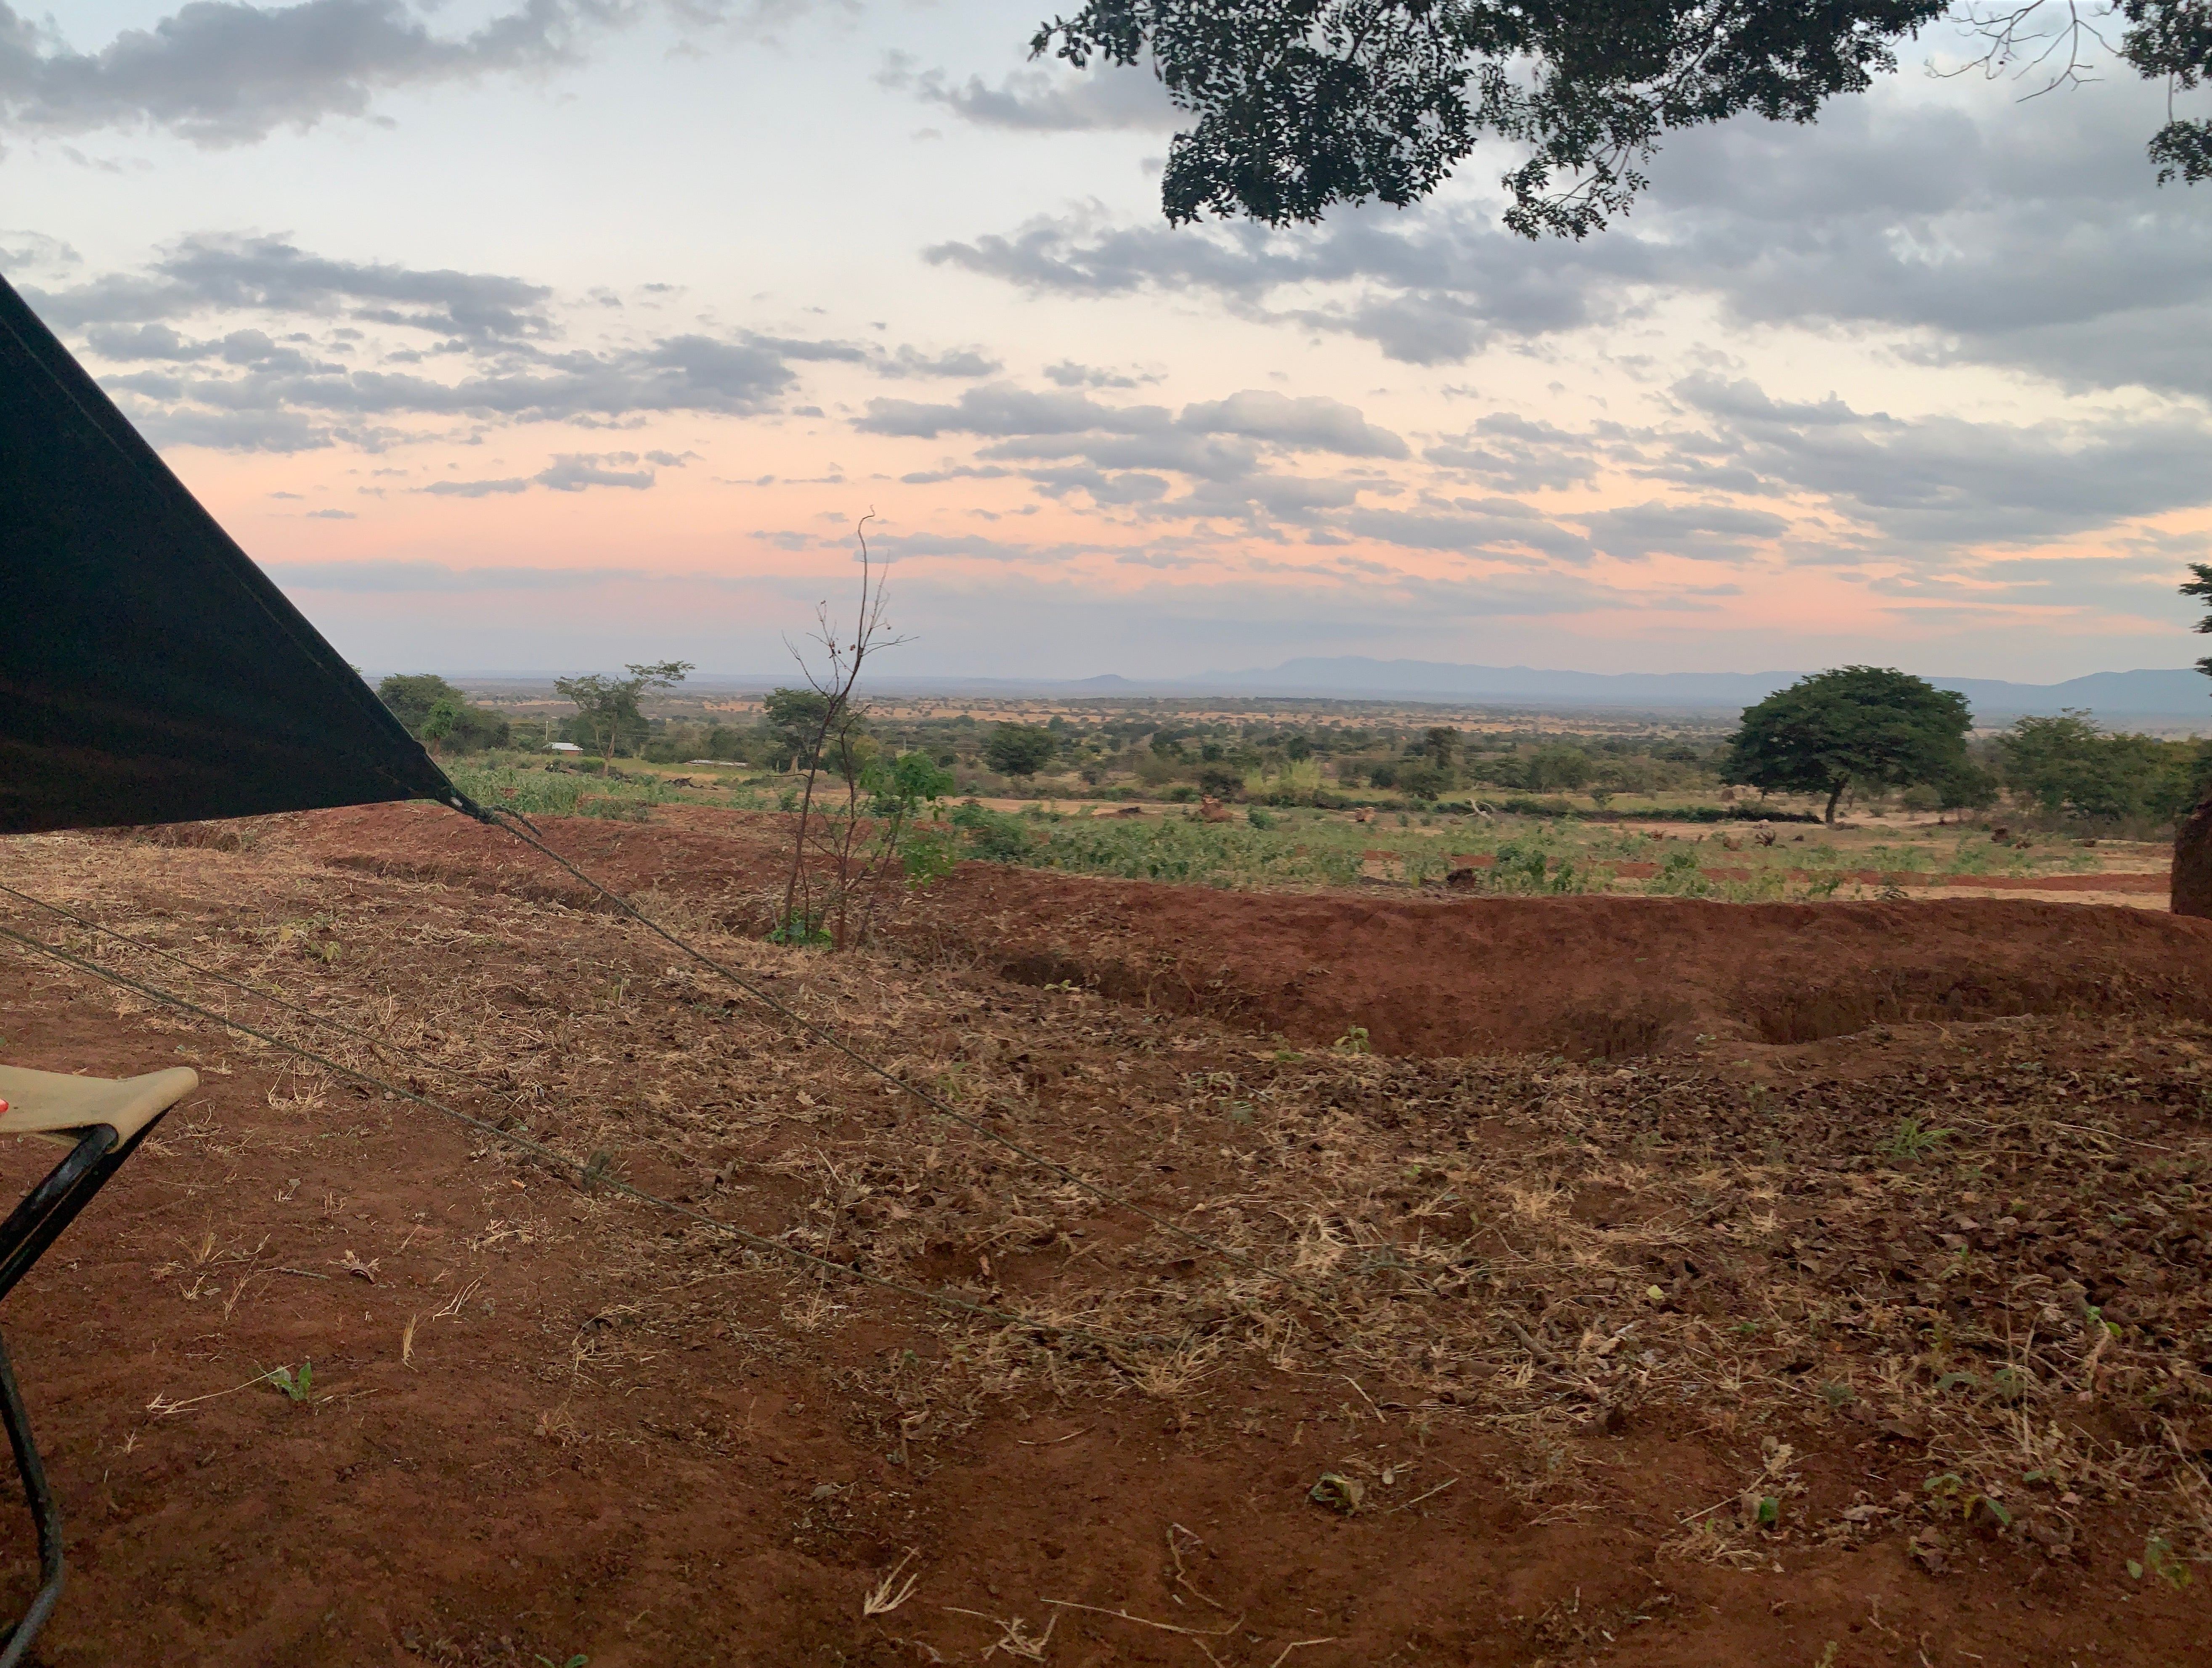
[1011, 1639]
[888, 1594]
[1418, 1498]
[1182, 1576]
[1146, 1622]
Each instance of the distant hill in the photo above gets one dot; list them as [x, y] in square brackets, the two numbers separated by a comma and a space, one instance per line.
[2151, 692]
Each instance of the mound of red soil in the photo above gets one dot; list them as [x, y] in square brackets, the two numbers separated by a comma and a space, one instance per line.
[1575, 975]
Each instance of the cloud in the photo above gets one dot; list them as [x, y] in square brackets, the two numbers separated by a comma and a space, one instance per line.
[1003, 408]
[1429, 286]
[1120, 456]
[513, 483]
[2028, 235]
[331, 515]
[26, 251]
[387, 576]
[909, 547]
[571, 472]
[1039, 100]
[1067, 374]
[220, 72]
[1316, 423]
[1498, 529]
[1715, 532]
[282, 403]
[268, 275]
[1518, 453]
[577, 471]
[1130, 487]
[931, 478]
[1934, 486]
[954, 362]
[500, 351]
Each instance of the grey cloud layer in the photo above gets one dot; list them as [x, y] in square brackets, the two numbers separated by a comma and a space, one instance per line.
[503, 340]
[227, 72]
[1118, 455]
[571, 472]
[2025, 235]
[262, 274]
[221, 72]
[1431, 288]
[1041, 100]
[1938, 483]
[278, 405]
[1751, 477]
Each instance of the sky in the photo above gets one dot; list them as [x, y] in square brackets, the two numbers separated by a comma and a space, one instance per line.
[525, 335]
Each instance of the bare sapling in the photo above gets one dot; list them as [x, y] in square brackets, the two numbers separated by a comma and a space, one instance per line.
[858, 812]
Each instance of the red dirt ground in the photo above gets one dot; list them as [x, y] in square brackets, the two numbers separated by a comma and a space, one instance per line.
[610, 1443]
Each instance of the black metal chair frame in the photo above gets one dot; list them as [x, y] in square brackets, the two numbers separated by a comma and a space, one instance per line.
[32, 1227]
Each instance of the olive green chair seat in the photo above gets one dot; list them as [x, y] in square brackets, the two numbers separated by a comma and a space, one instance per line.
[100, 1120]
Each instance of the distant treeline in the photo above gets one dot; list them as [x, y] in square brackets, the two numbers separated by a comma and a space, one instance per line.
[2067, 769]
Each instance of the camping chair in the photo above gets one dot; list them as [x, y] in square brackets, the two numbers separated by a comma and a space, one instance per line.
[100, 1120]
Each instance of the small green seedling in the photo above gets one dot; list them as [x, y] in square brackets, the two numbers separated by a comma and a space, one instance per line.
[579, 1660]
[1913, 1139]
[1354, 1041]
[299, 1386]
[1770, 1511]
[2157, 1557]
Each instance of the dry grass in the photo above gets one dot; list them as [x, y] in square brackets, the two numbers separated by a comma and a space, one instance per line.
[1544, 1249]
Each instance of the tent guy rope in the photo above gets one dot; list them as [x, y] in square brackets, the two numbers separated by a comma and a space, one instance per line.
[585, 1172]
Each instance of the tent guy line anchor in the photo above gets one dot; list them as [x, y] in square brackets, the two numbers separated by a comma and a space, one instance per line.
[615, 1183]
[528, 834]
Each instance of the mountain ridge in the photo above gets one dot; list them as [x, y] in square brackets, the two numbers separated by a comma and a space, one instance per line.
[2173, 692]
[2145, 691]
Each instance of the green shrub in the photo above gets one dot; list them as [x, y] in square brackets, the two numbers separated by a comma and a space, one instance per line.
[993, 836]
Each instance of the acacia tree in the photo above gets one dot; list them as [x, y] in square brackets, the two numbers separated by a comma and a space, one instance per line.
[1020, 749]
[607, 708]
[1302, 104]
[1865, 725]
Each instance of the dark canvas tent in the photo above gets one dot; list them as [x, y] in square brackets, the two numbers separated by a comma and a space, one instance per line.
[149, 672]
